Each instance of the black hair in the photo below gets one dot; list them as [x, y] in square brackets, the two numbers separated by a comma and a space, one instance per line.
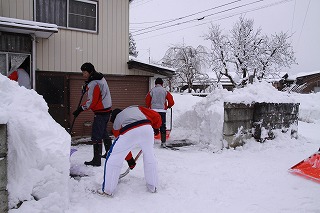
[114, 114]
[159, 81]
[87, 67]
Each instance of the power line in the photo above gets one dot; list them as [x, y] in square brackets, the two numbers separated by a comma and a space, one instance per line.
[187, 16]
[150, 22]
[137, 5]
[304, 20]
[251, 10]
[197, 19]
[294, 10]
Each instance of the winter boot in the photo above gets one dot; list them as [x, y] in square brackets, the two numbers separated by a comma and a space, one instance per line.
[163, 139]
[96, 161]
[107, 144]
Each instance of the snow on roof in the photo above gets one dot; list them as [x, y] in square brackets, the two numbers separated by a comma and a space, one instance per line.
[40, 29]
[131, 58]
[301, 74]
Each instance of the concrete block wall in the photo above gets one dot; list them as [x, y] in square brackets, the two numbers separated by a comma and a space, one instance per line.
[3, 169]
[274, 116]
[243, 121]
[237, 122]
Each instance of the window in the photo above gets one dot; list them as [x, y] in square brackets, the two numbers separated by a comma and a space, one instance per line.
[12, 61]
[82, 14]
[73, 14]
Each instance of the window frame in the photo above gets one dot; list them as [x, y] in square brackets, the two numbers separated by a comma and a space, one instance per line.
[93, 2]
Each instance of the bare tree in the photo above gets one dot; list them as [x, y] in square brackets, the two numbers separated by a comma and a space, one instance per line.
[188, 62]
[244, 44]
[274, 53]
[247, 53]
[220, 53]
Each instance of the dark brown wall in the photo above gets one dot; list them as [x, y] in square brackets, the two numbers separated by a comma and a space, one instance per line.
[311, 81]
[125, 91]
[62, 92]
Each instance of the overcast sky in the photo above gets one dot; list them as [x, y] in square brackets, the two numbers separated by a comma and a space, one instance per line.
[179, 24]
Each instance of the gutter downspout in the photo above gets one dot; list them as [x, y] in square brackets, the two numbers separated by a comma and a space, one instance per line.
[33, 61]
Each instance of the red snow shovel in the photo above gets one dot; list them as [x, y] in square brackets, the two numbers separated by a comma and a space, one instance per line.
[308, 168]
[158, 136]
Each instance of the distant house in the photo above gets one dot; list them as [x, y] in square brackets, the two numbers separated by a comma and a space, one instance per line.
[302, 82]
[58, 36]
[206, 85]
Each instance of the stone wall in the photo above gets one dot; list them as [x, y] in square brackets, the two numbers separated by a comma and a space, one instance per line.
[242, 121]
[3, 169]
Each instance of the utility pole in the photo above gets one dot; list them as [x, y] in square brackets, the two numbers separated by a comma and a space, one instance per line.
[149, 54]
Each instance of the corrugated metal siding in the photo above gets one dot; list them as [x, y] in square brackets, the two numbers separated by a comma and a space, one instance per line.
[21, 9]
[67, 50]
[19, 43]
[125, 91]
[108, 50]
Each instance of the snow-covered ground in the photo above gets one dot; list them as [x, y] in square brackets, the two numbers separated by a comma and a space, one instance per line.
[200, 178]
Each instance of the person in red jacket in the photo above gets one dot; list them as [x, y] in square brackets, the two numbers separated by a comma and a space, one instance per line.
[21, 75]
[132, 126]
[99, 101]
[159, 99]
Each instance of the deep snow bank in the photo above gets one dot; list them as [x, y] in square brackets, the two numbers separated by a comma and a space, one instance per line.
[38, 149]
[202, 123]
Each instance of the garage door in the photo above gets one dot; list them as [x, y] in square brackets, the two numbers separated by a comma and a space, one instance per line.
[125, 91]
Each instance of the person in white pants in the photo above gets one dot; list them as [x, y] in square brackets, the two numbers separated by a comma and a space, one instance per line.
[132, 126]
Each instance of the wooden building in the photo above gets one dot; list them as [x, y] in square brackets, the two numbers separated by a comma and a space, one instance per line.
[301, 83]
[59, 36]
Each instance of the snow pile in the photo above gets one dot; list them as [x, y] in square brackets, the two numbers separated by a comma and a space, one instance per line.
[259, 92]
[203, 124]
[38, 150]
[309, 110]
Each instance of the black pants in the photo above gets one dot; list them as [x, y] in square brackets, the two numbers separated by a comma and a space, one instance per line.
[163, 126]
[99, 127]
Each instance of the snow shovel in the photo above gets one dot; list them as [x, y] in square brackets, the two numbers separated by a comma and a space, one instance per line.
[128, 169]
[73, 150]
[74, 118]
[308, 168]
[158, 136]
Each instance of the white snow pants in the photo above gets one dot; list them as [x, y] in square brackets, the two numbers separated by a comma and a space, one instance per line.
[142, 136]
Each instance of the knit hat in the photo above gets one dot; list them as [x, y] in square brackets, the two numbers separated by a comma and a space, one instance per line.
[87, 67]
[114, 114]
[159, 81]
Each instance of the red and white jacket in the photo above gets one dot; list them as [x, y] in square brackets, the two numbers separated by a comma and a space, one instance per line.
[133, 117]
[22, 77]
[159, 99]
[99, 97]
